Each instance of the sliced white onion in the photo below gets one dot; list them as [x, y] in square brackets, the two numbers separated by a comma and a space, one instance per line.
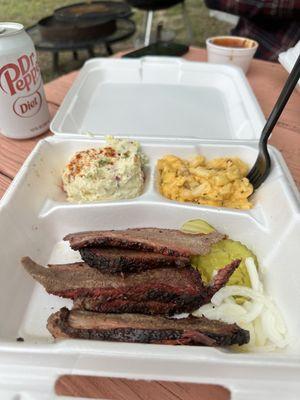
[253, 275]
[253, 312]
[230, 300]
[229, 313]
[247, 305]
[235, 290]
[280, 325]
[233, 309]
[268, 323]
[203, 309]
[258, 314]
[261, 337]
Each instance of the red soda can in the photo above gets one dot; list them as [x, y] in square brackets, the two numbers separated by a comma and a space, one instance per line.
[23, 108]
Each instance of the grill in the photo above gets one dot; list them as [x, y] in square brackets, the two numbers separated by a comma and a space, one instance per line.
[95, 10]
[56, 31]
[83, 21]
[83, 26]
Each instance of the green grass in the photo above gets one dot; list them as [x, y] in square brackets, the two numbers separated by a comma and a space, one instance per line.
[28, 12]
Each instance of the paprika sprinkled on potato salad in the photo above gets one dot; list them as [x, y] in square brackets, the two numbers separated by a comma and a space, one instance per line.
[107, 173]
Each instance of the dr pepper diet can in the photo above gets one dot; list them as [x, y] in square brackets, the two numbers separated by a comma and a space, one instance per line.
[23, 107]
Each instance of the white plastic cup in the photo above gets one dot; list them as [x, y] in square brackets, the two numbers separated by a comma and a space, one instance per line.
[231, 50]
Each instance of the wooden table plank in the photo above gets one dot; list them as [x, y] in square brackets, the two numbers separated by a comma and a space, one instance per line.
[4, 183]
[288, 143]
[56, 90]
[123, 389]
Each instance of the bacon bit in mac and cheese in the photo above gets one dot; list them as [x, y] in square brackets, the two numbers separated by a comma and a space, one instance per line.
[219, 182]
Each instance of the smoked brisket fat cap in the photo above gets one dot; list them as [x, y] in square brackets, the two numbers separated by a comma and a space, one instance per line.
[169, 242]
[182, 288]
[139, 328]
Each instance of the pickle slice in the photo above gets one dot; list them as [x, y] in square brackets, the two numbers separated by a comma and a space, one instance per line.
[196, 226]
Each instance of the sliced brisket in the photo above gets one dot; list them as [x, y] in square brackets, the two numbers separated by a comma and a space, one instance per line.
[149, 307]
[114, 260]
[139, 328]
[181, 288]
[169, 242]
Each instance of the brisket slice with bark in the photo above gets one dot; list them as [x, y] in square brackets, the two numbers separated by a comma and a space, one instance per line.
[113, 260]
[78, 279]
[163, 306]
[139, 328]
[149, 307]
[181, 288]
[169, 242]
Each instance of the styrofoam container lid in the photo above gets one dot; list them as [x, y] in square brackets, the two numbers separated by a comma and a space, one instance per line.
[288, 59]
[160, 97]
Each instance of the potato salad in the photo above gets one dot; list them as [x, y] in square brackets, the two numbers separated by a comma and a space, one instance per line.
[107, 173]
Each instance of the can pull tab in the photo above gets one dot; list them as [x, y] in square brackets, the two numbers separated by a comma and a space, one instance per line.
[2, 30]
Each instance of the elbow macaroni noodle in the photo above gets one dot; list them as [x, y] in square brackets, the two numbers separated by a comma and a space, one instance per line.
[219, 182]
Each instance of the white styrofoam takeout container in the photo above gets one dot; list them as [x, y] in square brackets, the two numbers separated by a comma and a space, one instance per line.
[288, 59]
[34, 217]
[125, 97]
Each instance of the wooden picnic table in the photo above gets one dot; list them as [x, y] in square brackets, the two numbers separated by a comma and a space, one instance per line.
[266, 80]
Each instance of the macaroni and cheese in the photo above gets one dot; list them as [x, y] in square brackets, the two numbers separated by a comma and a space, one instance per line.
[219, 182]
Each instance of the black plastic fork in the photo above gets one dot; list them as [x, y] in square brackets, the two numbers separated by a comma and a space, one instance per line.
[262, 166]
